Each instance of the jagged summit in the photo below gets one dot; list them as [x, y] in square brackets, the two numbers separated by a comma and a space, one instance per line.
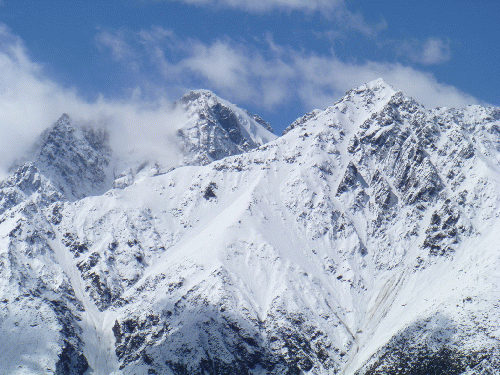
[74, 158]
[207, 99]
[377, 85]
[202, 95]
[63, 124]
[216, 128]
[371, 94]
[212, 129]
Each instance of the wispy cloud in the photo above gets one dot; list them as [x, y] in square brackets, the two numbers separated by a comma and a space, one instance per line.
[271, 76]
[326, 78]
[349, 21]
[336, 11]
[116, 44]
[435, 51]
[30, 101]
[267, 5]
[429, 52]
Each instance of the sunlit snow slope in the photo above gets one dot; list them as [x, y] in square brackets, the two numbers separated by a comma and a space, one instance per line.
[363, 241]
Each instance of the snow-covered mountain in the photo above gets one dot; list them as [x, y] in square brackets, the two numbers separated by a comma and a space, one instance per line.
[365, 240]
[210, 129]
[216, 128]
[74, 158]
[79, 160]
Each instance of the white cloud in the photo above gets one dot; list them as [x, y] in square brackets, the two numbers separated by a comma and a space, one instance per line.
[30, 102]
[431, 52]
[334, 10]
[272, 77]
[326, 78]
[115, 42]
[435, 51]
[266, 5]
[236, 71]
[356, 21]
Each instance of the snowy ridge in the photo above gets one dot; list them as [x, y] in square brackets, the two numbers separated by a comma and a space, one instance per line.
[363, 241]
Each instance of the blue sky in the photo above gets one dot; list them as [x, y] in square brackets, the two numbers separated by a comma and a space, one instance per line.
[277, 58]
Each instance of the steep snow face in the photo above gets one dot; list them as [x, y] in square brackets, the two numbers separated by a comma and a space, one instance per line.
[216, 129]
[363, 241]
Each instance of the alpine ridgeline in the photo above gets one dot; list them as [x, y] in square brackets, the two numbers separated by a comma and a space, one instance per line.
[363, 241]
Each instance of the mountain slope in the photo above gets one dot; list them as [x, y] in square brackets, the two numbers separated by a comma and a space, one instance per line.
[362, 241]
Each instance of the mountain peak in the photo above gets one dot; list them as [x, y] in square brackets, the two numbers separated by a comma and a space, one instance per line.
[74, 158]
[211, 99]
[217, 128]
[374, 91]
[378, 83]
[63, 125]
[199, 95]
[353, 108]
[377, 88]
[64, 119]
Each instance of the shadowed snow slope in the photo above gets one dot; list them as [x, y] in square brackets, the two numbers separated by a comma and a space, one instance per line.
[363, 241]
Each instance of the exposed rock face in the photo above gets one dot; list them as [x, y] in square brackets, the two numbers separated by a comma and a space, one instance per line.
[210, 129]
[363, 241]
[39, 314]
[430, 346]
[75, 159]
[216, 129]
